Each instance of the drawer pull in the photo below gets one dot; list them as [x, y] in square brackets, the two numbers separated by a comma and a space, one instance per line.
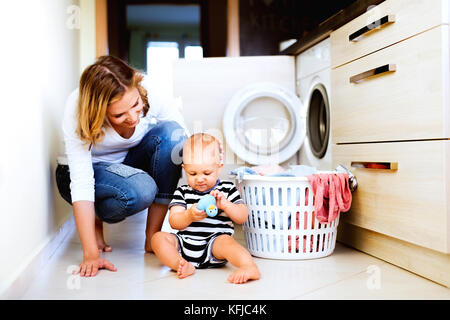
[355, 36]
[386, 68]
[393, 166]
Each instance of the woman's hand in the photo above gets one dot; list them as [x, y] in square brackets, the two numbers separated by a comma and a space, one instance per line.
[90, 266]
[84, 213]
[195, 214]
[221, 201]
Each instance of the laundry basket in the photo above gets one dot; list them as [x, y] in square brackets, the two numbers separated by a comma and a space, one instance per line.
[281, 222]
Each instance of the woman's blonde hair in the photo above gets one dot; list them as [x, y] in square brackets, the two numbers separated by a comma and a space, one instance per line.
[102, 84]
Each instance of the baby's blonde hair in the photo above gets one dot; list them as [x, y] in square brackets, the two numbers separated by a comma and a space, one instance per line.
[200, 148]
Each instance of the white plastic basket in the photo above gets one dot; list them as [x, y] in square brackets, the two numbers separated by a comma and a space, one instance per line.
[281, 222]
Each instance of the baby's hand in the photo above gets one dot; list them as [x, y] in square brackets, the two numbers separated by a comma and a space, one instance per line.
[221, 201]
[196, 214]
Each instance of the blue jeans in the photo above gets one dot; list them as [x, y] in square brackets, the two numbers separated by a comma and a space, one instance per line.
[149, 173]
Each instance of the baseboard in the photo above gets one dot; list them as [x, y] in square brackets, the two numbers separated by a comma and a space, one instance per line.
[424, 262]
[19, 282]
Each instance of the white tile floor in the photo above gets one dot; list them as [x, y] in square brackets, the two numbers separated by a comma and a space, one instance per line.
[342, 275]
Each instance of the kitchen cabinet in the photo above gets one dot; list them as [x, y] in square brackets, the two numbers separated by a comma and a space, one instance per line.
[390, 126]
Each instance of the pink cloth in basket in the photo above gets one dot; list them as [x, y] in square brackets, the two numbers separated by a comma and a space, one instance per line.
[332, 195]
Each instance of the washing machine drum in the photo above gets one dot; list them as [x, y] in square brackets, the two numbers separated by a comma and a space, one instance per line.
[262, 124]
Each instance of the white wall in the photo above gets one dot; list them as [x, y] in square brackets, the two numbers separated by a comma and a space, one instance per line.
[87, 33]
[40, 66]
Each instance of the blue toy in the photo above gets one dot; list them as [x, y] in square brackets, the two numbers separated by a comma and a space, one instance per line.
[207, 203]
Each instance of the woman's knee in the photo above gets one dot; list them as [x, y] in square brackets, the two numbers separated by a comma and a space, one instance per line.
[170, 131]
[120, 202]
[172, 137]
[142, 191]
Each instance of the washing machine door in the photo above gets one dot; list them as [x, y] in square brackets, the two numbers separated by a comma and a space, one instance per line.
[318, 121]
[262, 123]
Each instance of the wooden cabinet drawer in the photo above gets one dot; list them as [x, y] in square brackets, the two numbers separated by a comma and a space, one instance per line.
[411, 18]
[410, 203]
[410, 103]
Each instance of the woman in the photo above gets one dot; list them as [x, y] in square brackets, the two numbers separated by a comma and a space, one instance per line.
[123, 150]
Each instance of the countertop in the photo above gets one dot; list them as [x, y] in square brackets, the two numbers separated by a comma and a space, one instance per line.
[326, 27]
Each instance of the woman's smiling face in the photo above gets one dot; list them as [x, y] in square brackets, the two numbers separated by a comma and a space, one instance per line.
[125, 113]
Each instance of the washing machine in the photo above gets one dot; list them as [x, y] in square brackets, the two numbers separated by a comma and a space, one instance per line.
[263, 124]
[266, 123]
[313, 72]
[251, 103]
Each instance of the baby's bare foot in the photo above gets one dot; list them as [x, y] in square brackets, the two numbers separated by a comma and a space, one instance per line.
[185, 269]
[244, 274]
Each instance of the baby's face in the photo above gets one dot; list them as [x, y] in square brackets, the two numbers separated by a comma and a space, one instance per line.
[202, 176]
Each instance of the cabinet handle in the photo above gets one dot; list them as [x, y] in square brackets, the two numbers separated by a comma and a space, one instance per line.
[392, 166]
[355, 36]
[386, 68]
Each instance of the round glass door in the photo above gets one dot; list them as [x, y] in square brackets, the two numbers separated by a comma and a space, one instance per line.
[318, 121]
[265, 126]
[262, 123]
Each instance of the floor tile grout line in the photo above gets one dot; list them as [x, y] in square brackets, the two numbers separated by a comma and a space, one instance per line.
[330, 284]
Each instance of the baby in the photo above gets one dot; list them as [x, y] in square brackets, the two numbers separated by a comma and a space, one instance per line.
[204, 241]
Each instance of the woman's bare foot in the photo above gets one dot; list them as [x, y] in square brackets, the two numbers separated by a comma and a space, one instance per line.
[104, 247]
[148, 245]
[185, 269]
[101, 244]
[155, 219]
[244, 274]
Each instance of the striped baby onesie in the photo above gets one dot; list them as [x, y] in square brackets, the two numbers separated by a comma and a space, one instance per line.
[196, 240]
